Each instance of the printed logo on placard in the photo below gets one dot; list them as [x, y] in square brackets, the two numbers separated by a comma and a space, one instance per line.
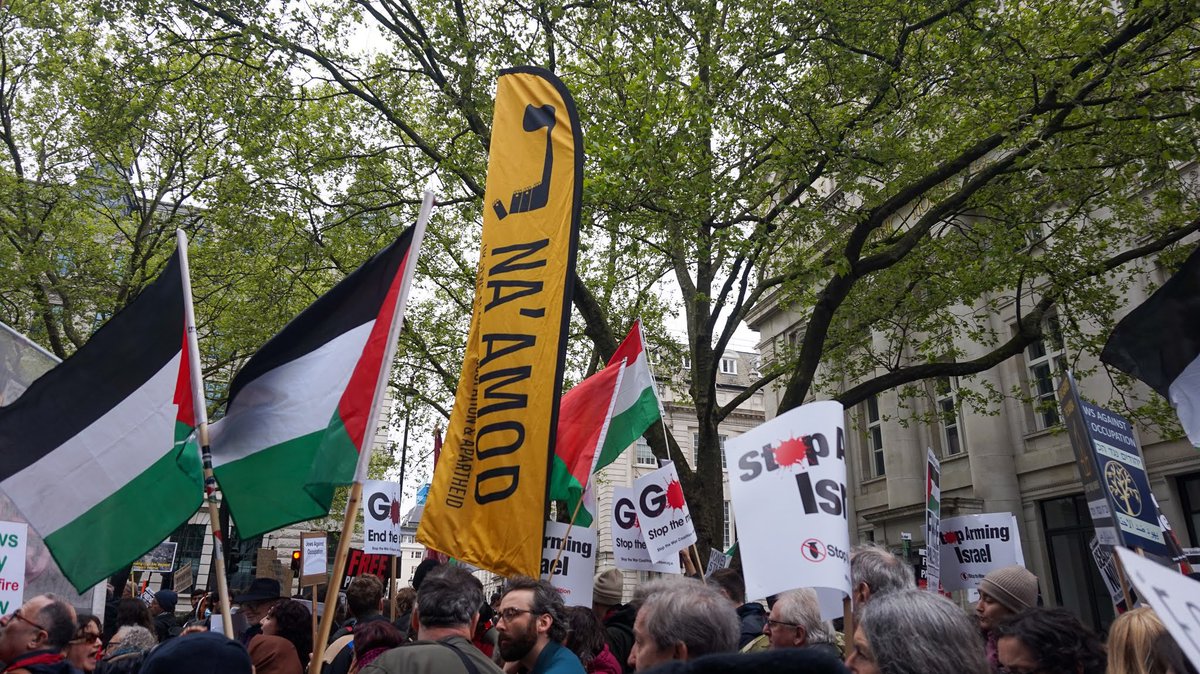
[813, 550]
[1123, 489]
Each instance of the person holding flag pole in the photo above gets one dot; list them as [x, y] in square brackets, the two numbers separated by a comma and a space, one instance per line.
[364, 456]
[201, 411]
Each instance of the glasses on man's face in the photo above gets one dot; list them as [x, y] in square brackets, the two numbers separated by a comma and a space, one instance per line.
[775, 624]
[17, 616]
[510, 614]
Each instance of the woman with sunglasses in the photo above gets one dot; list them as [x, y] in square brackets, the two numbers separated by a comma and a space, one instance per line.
[83, 650]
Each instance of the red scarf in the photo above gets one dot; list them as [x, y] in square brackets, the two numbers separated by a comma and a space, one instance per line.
[44, 658]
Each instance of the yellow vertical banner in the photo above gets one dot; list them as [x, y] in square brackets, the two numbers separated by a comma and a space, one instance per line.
[487, 502]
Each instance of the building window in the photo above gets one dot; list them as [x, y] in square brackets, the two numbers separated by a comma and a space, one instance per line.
[721, 441]
[729, 366]
[1189, 490]
[727, 533]
[1078, 586]
[949, 416]
[644, 457]
[190, 538]
[1046, 361]
[687, 362]
[874, 437]
[416, 554]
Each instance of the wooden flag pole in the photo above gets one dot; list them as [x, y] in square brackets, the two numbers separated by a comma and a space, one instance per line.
[392, 591]
[335, 578]
[364, 455]
[848, 622]
[699, 566]
[200, 408]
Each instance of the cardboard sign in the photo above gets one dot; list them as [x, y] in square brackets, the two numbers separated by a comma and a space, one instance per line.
[1108, 571]
[381, 517]
[183, 578]
[575, 552]
[663, 513]
[314, 558]
[975, 545]
[14, 538]
[1114, 475]
[933, 519]
[787, 478]
[159, 560]
[716, 561]
[629, 547]
[1174, 597]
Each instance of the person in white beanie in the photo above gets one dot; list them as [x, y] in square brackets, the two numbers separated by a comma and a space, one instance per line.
[1003, 593]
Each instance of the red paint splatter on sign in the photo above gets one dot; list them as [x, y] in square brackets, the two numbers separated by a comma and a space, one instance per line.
[675, 495]
[791, 452]
[394, 515]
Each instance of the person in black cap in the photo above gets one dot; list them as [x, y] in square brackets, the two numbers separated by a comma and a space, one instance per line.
[162, 609]
[200, 653]
[262, 594]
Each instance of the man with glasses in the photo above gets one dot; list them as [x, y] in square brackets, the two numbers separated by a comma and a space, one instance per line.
[795, 622]
[33, 637]
[532, 628]
[447, 610]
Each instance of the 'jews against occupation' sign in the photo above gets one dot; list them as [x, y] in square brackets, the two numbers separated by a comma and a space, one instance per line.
[574, 548]
[629, 547]
[381, 517]
[787, 478]
[666, 523]
[975, 545]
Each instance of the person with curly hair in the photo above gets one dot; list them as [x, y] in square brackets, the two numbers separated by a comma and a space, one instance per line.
[1048, 641]
[291, 620]
[585, 637]
[132, 611]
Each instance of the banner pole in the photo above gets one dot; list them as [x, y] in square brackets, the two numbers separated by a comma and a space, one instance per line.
[200, 409]
[364, 456]
[847, 621]
[392, 591]
[699, 566]
[570, 525]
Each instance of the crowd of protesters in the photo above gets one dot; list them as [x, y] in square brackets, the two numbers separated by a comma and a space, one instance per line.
[671, 624]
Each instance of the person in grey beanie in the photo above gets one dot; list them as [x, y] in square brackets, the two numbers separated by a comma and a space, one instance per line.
[1003, 593]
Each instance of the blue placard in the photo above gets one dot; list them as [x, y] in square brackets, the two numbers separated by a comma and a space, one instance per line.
[1122, 474]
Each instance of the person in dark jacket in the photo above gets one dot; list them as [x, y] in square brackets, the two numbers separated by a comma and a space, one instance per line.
[162, 609]
[608, 589]
[32, 639]
[752, 616]
[126, 651]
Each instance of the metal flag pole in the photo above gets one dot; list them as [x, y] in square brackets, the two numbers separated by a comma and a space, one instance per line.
[200, 408]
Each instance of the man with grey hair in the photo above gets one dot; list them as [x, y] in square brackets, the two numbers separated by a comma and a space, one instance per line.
[795, 622]
[914, 631]
[446, 612]
[33, 637]
[874, 571]
[532, 628]
[682, 621]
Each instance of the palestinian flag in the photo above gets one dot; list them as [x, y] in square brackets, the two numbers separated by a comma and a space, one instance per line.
[1159, 343]
[96, 453]
[297, 414]
[637, 405]
[584, 414]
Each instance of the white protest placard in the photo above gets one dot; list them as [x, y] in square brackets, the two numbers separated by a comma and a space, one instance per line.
[381, 517]
[575, 551]
[787, 478]
[14, 538]
[629, 547]
[1174, 597]
[933, 519]
[716, 561]
[314, 558]
[1108, 570]
[663, 513]
[975, 545]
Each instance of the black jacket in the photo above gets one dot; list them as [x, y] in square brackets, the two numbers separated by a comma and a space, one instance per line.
[618, 632]
[166, 626]
[753, 618]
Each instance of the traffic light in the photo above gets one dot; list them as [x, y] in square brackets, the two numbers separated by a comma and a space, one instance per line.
[295, 560]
